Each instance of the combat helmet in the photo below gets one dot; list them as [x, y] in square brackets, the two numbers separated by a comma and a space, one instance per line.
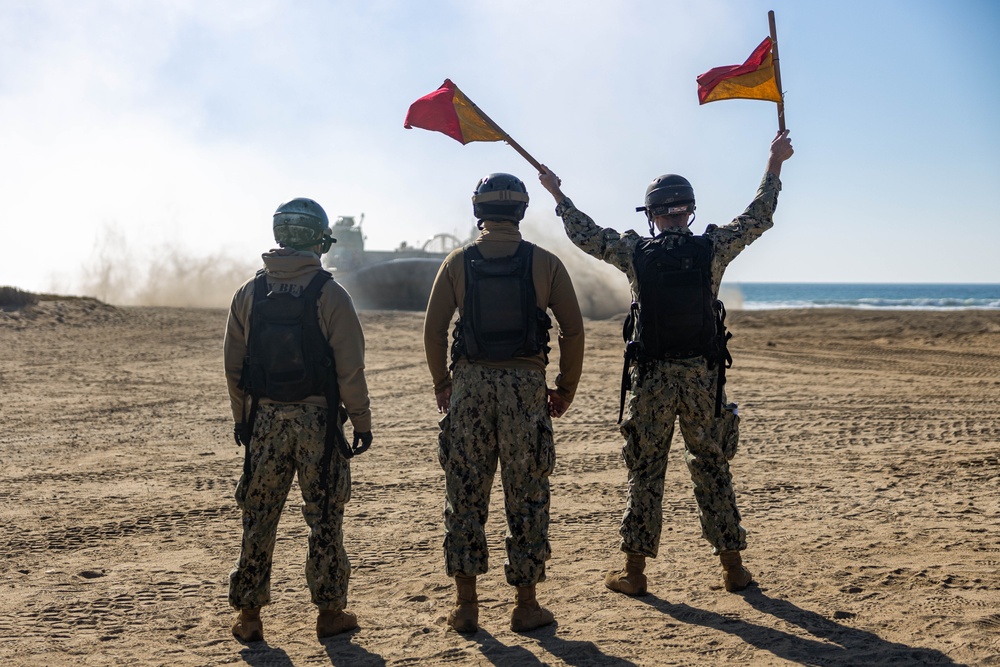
[668, 194]
[301, 224]
[500, 196]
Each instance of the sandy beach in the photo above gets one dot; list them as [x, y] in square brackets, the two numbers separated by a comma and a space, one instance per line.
[868, 478]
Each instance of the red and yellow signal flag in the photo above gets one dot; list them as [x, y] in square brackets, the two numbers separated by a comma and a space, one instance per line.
[449, 111]
[753, 80]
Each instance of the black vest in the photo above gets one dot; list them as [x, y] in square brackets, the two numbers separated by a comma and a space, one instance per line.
[288, 358]
[675, 315]
[501, 318]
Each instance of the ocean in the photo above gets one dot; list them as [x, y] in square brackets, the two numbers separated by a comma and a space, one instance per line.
[875, 296]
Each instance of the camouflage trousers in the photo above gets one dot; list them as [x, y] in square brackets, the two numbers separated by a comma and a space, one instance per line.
[289, 439]
[497, 415]
[662, 392]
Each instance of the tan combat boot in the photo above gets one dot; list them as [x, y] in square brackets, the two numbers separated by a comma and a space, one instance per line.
[630, 580]
[248, 627]
[330, 622]
[735, 577]
[465, 616]
[528, 614]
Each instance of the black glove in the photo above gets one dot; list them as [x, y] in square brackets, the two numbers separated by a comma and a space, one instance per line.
[365, 440]
[242, 433]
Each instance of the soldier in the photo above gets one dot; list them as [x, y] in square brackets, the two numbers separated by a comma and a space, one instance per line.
[675, 358]
[295, 359]
[495, 399]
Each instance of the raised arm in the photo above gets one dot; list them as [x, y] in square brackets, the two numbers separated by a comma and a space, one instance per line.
[731, 239]
[604, 243]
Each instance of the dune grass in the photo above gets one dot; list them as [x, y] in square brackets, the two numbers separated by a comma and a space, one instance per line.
[12, 298]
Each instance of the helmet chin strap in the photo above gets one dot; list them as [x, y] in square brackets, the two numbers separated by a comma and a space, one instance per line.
[654, 232]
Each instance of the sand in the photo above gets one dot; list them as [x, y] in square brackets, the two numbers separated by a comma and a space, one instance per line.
[868, 478]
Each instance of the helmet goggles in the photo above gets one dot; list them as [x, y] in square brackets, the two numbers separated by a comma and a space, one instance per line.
[670, 208]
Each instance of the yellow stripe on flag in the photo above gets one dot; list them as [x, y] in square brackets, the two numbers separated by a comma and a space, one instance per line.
[756, 85]
[474, 128]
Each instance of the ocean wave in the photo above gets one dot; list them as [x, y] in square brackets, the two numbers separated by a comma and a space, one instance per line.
[866, 296]
[878, 304]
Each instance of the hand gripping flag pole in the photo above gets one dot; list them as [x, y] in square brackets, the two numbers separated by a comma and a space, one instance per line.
[449, 111]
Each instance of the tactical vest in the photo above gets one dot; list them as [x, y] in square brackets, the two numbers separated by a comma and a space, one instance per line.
[675, 315]
[288, 358]
[501, 319]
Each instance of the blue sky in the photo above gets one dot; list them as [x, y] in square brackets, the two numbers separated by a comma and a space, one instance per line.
[178, 126]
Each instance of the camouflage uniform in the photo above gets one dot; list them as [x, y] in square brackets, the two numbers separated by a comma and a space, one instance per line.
[497, 414]
[290, 439]
[663, 391]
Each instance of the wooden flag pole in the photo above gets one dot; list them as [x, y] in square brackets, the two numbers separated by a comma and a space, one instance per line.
[506, 137]
[777, 71]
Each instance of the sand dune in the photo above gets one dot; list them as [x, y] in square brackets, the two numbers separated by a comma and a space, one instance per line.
[868, 476]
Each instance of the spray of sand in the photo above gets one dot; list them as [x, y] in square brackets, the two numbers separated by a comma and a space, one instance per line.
[161, 276]
[601, 289]
[170, 276]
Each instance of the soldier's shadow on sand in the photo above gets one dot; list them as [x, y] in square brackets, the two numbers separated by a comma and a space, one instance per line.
[570, 652]
[340, 650]
[342, 653]
[261, 654]
[847, 645]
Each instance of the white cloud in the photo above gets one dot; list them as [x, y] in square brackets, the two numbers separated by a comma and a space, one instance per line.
[185, 123]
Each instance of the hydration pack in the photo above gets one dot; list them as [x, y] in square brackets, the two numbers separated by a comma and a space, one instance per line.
[288, 358]
[501, 318]
[676, 316]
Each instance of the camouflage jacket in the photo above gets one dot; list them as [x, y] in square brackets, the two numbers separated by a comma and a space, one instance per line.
[618, 249]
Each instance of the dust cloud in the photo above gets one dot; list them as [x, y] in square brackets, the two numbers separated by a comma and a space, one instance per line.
[732, 296]
[601, 289]
[162, 276]
[170, 276]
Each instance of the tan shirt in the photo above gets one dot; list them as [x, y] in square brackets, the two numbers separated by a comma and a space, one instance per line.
[553, 291]
[290, 271]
